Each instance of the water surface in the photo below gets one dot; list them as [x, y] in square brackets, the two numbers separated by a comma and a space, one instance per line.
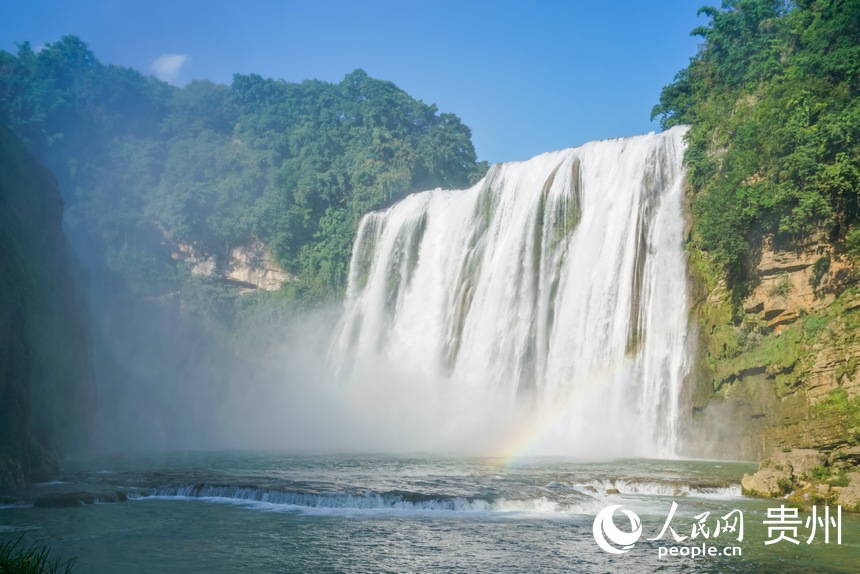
[272, 512]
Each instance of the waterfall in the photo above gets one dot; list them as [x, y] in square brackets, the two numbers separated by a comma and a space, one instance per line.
[554, 286]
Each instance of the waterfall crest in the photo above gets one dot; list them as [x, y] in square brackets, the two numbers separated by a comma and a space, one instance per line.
[555, 286]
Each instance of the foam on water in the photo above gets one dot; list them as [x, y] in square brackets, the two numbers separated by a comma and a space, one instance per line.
[561, 498]
[622, 486]
[368, 501]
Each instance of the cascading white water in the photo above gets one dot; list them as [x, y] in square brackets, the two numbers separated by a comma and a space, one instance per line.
[557, 285]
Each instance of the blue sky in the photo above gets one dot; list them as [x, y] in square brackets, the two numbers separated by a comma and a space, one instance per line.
[527, 78]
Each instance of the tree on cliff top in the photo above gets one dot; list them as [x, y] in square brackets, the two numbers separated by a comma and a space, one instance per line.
[142, 163]
[772, 97]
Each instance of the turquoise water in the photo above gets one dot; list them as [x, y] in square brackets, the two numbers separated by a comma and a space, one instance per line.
[270, 512]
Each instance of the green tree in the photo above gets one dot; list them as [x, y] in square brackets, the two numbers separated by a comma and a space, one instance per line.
[772, 98]
[145, 166]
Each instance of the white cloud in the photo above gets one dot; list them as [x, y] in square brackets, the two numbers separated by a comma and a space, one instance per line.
[167, 66]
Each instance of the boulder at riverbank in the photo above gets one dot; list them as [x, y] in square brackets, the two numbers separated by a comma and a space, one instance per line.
[808, 476]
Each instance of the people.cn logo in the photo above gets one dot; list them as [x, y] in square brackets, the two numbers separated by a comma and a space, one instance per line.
[605, 528]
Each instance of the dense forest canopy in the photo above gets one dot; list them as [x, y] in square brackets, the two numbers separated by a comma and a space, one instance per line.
[144, 165]
[772, 98]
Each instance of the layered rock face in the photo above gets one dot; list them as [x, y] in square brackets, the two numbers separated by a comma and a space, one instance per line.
[790, 281]
[46, 381]
[782, 374]
[249, 266]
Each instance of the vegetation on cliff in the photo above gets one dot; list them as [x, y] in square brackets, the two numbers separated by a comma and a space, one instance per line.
[167, 188]
[772, 97]
[146, 166]
[774, 175]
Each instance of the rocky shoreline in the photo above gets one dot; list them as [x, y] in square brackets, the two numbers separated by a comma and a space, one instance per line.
[809, 477]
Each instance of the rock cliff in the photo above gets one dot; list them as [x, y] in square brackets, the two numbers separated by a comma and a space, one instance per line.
[247, 266]
[46, 382]
[778, 369]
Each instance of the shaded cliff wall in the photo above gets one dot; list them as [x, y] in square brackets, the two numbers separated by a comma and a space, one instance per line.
[46, 383]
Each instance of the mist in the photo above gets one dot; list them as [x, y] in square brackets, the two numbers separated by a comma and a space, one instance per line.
[166, 382]
[213, 225]
[542, 361]
[217, 226]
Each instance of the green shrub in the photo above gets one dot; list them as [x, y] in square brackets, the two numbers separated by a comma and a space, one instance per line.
[815, 323]
[820, 473]
[781, 288]
[839, 480]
